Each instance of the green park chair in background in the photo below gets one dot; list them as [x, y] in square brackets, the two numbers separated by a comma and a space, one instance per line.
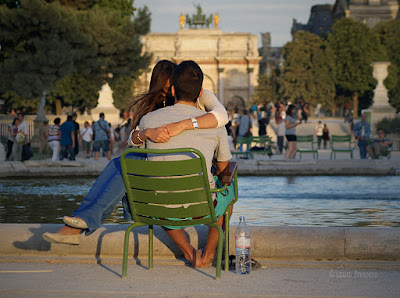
[264, 145]
[153, 185]
[246, 144]
[342, 144]
[306, 144]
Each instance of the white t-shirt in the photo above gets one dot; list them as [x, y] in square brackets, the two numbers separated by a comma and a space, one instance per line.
[86, 134]
[23, 126]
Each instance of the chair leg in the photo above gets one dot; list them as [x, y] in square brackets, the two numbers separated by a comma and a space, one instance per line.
[226, 222]
[219, 255]
[150, 246]
[126, 249]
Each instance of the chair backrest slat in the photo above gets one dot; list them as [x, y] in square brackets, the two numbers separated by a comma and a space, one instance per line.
[163, 168]
[196, 195]
[166, 183]
[168, 222]
[160, 211]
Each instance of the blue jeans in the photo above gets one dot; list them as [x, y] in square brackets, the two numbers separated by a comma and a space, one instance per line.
[362, 144]
[65, 150]
[103, 196]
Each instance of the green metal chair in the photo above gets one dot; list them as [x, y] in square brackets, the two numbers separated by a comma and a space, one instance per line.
[342, 144]
[153, 185]
[265, 145]
[306, 144]
[244, 141]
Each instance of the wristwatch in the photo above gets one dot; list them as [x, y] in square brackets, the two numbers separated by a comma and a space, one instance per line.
[195, 123]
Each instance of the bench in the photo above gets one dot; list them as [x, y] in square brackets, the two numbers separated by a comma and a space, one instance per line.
[342, 144]
[306, 144]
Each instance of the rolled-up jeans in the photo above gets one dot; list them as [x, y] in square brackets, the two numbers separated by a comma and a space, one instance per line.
[104, 195]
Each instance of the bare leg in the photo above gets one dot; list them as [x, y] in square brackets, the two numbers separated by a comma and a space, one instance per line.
[212, 241]
[108, 153]
[96, 155]
[189, 252]
[293, 152]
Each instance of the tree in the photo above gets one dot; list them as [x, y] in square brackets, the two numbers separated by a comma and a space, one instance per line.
[268, 87]
[308, 71]
[389, 35]
[354, 46]
[40, 44]
[115, 58]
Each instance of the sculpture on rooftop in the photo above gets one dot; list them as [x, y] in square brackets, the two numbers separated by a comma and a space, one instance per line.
[198, 19]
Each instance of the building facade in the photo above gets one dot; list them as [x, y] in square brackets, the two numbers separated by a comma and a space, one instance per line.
[370, 12]
[230, 61]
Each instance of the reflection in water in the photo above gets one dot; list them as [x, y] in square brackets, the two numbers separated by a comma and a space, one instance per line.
[274, 201]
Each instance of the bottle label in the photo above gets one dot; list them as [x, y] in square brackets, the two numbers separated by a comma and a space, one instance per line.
[242, 242]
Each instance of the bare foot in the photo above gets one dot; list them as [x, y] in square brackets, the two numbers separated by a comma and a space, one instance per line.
[206, 260]
[197, 258]
[66, 230]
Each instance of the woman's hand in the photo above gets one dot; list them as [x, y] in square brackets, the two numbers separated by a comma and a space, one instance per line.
[176, 128]
[158, 135]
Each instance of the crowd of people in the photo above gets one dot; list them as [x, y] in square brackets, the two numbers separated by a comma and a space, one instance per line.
[62, 140]
[282, 118]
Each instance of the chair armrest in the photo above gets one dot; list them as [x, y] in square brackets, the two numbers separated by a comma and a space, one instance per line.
[227, 175]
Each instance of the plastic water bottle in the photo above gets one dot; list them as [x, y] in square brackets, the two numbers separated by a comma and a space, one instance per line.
[243, 245]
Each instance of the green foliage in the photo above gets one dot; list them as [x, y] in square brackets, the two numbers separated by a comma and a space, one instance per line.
[70, 49]
[268, 87]
[10, 3]
[75, 90]
[123, 92]
[354, 46]
[389, 125]
[40, 43]
[389, 35]
[309, 70]
[125, 7]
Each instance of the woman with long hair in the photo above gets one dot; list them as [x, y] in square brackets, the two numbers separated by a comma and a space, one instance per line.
[109, 187]
[291, 122]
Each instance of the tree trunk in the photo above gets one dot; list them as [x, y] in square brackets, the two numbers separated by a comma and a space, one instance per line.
[333, 109]
[311, 110]
[355, 104]
[58, 107]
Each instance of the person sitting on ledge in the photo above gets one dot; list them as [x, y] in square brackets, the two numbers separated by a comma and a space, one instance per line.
[109, 189]
[378, 146]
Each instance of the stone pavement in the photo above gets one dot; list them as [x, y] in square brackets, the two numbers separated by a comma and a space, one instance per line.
[53, 279]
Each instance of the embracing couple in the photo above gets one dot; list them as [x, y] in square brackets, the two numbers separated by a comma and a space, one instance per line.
[175, 126]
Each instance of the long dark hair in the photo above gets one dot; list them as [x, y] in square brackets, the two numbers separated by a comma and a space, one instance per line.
[156, 97]
[290, 110]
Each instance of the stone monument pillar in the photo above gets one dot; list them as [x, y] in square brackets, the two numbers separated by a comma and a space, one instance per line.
[39, 120]
[380, 108]
[106, 105]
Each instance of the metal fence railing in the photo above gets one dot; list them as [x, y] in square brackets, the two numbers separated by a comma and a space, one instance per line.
[4, 128]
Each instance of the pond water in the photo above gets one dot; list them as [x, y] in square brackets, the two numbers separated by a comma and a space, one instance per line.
[273, 201]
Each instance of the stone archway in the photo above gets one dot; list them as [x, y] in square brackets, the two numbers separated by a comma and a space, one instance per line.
[208, 83]
[236, 103]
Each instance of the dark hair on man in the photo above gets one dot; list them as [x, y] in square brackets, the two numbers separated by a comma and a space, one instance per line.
[101, 115]
[69, 118]
[57, 121]
[187, 79]
[74, 115]
[20, 114]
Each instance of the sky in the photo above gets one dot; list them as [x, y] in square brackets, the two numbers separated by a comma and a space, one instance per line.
[254, 16]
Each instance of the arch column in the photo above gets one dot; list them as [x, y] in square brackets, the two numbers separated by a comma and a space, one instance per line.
[250, 89]
[220, 85]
